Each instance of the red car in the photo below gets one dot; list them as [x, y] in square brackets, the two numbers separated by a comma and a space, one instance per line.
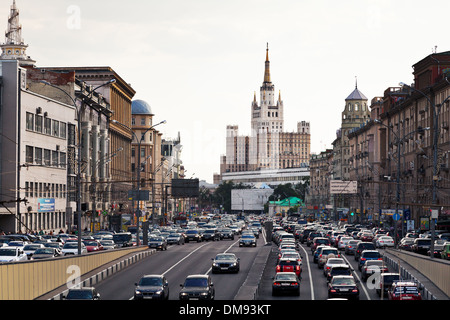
[289, 265]
[404, 290]
[367, 237]
[93, 245]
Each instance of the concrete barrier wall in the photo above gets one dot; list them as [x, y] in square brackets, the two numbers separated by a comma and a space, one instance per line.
[437, 270]
[31, 279]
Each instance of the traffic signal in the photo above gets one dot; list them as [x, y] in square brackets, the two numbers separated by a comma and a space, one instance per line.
[352, 213]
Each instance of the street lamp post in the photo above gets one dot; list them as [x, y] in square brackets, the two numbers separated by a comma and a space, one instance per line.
[78, 112]
[138, 167]
[400, 142]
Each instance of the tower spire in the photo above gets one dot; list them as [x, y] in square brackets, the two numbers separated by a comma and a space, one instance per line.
[14, 47]
[267, 69]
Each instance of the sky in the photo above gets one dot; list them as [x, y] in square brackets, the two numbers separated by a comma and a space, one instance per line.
[199, 62]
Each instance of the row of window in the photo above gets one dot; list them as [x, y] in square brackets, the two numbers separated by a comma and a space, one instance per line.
[44, 190]
[45, 157]
[41, 124]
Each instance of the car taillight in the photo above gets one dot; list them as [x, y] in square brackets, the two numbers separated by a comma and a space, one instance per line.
[295, 284]
[333, 290]
[355, 290]
[276, 283]
[278, 268]
[363, 259]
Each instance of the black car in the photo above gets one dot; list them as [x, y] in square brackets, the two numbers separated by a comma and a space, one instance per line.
[285, 282]
[339, 270]
[363, 245]
[211, 234]
[343, 287]
[226, 233]
[193, 235]
[197, 287]
[85, 293]
[225, 262]
[157, 242]
[152, 287]
[421, 245]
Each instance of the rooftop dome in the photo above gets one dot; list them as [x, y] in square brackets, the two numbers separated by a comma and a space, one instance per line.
[141, 107]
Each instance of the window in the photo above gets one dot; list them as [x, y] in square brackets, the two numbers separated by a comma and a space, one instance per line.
[30, 121]
[47, 126]
[55, 131]
[133, 121]
[47, 157]
[62, 159]
[142, 152]
[142, 121]
[29, 154]
[38, 123]
[63, 130]
[55, 158]
[71, 135]
[38, 155]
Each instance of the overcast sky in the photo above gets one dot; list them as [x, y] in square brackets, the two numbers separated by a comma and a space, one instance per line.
[198, 62]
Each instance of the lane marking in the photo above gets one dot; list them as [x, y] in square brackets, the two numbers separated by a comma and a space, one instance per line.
[231, 246]
[309, 271]
[354, 271]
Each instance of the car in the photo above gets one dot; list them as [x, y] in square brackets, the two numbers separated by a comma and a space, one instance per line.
[445, 253]
[363, 246]
[152, 286]
[406, 243]
[343, 287]
[211, 234]
[339, 270]
[368, 255]
[108, 244]
[404, 290]
[85, 293]
[157, 242]
[225, 262]
[312, 236]
[247, 240]
[293, 255]
[386, 281]
[438, 247]
[175, 238]
[342, 242]
[71, 248]
[226, 233]
[385, 241]
[325, 254]
[93, 245]
[12, 254]
[45, 253]
[317, 253]
[421, 245]
[31, 248]
[319, 241]
[330, 262]
[17, 243]
[123, 239]
[371, 267]
[193, 235]
[366, 236]
[289, 265]
[197, 287]
[285, 282]
[350, 247]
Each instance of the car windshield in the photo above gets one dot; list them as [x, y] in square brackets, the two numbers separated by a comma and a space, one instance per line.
[147, 281]
[343, 281]
[107, 242]
[371, 254]
[285, 276]
[328, 251]
[44, 251]
[288, 263]
[174, 235]
[8, 252]
[70, 245]
[225, 257]
[79, 294]
[191, 232]
[90, 243]
[196, 282]
[336, 261]
[31, 247]
[249, 236]
[341, 271]
[156, 239]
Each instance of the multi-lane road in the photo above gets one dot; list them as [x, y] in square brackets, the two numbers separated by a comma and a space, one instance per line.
[180, 261]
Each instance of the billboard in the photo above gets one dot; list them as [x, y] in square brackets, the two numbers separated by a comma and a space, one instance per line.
[249, 199]
[185, 188]
[343, 187]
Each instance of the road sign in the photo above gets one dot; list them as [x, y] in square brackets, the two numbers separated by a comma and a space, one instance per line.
[343, 187]
[396, 216]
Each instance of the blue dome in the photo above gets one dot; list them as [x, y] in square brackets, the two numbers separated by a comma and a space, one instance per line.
[141, 107]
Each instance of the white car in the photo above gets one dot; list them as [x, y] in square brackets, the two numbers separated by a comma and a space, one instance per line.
[71, 248]
[330, 262]
[31, 248]
[343, 242]
[385, 241]
[12, 254]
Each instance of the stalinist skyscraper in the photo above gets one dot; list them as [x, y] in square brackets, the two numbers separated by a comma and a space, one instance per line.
[268, 146]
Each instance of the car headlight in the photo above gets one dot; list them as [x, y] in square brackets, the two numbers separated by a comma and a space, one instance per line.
[158, 292]
[183, 294]
[215, 264]
[204, 293]
[138, 292]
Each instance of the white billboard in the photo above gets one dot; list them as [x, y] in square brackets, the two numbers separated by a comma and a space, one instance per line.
[343, 187]
[249, 199]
